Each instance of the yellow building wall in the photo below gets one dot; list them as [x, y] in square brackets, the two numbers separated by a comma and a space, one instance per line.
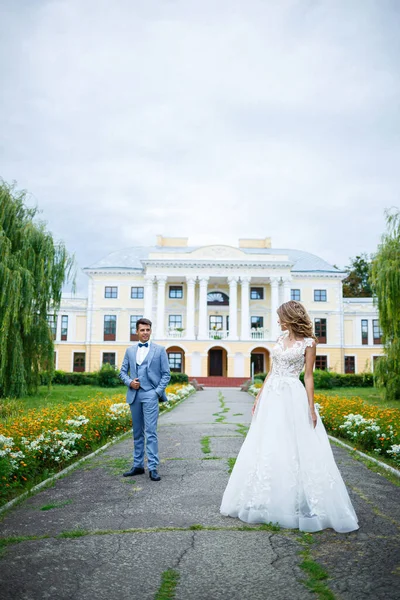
[94, 355]
[123, 326]
[65, 353]
[307, 296]
[349, 331]
[80, 328]
[204, 366]
[231, 366]
[335, 358]
[364, 357]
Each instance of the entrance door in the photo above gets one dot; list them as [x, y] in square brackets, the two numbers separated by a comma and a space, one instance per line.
[258, 361]
[215, 363]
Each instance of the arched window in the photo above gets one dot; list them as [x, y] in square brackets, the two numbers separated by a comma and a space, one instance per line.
[176, 359]
[217, 299]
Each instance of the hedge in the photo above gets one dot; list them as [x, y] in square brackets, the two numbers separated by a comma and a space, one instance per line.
[107, 376]
[325, 380]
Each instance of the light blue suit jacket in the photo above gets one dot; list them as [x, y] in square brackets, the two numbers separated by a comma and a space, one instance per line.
[157, 370]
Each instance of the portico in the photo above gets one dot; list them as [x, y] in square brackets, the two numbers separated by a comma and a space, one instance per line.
[203, 316]
[221, 291]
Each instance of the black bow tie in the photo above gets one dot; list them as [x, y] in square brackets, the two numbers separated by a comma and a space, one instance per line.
[146, 345]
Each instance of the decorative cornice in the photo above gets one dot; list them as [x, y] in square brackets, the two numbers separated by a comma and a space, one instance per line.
[317, 275]
[215, 264]
[113, 270]
[211, 265]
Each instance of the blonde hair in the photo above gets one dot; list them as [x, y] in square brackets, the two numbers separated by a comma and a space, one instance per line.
[294, 315]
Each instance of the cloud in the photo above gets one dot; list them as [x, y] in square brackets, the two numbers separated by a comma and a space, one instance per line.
[208, 120]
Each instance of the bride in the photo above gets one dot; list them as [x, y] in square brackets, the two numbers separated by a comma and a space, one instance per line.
[285, 472]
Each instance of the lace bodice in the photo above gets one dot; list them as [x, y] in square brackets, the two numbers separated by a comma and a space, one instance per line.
[288, 361]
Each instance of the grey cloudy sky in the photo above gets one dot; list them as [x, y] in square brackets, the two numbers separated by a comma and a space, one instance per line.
[203, 118]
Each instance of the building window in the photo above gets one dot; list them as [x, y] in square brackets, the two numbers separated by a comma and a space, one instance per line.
[256, 293]
[137, 293]
[256, 322]
[175, 361]
[349, 364]
[52, 322]
[217, 299]
[319, 295]
[175, 321]
[79, 362]
[110, 292]
[175, 291]
[377, 331]
[110, 328]
[364, 332]
[109, 358]
[133, 333]
[321, 362]
[64, 327]
[295, 295]
[320, 330]
[216, 322]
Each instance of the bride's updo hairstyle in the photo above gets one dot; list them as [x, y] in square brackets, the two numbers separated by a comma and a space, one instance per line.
[294, 315]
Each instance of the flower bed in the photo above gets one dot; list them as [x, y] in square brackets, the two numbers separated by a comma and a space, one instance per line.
[37, 443]
[368, 427]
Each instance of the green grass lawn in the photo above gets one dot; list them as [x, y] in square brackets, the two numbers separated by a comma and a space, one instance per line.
[63, 394]
[371, 395]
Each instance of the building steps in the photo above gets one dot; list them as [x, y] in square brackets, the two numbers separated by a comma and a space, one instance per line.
[216, 381]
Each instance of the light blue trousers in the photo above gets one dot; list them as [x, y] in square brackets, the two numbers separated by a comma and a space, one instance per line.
[144, 411]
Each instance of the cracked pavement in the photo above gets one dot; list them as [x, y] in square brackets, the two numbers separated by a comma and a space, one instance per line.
[121, 550]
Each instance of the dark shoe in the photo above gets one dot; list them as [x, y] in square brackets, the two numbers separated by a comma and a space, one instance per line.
[134, 471]
[154, 476]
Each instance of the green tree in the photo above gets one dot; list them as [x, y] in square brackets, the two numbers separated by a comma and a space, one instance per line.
[386, 287]
[358, 282]
[33, 269]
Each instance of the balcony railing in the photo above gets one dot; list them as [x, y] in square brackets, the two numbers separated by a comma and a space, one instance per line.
[259, 333]
[218, 334]
[175, 334]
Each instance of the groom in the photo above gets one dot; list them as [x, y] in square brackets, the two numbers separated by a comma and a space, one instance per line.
[145, 370]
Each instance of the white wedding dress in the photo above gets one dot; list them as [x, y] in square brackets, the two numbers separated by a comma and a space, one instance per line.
[285, 472]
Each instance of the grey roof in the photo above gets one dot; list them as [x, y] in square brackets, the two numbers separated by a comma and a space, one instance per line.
[130, 258]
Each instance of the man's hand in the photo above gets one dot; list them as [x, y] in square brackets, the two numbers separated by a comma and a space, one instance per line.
[135, 384]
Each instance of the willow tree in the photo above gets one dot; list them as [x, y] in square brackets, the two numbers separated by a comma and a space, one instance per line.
[386, 286]
[33, 269]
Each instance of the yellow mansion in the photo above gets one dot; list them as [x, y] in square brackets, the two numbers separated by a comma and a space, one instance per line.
[213, 308]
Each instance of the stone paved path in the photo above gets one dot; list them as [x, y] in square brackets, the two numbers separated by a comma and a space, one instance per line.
[105, 538]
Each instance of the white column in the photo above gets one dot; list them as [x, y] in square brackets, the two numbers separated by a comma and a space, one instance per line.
[190, 288]
[233, 308]
[89, 325]
[287, 282]
[245, 301]
[274, 306]
[161, 280]
[203, 325]
[148, 297]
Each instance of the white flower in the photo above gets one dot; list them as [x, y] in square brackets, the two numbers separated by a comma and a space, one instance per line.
[78, 421]
[395, 450]
[118, 410]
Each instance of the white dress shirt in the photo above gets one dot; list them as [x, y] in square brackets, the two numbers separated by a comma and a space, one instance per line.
[142, 353]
